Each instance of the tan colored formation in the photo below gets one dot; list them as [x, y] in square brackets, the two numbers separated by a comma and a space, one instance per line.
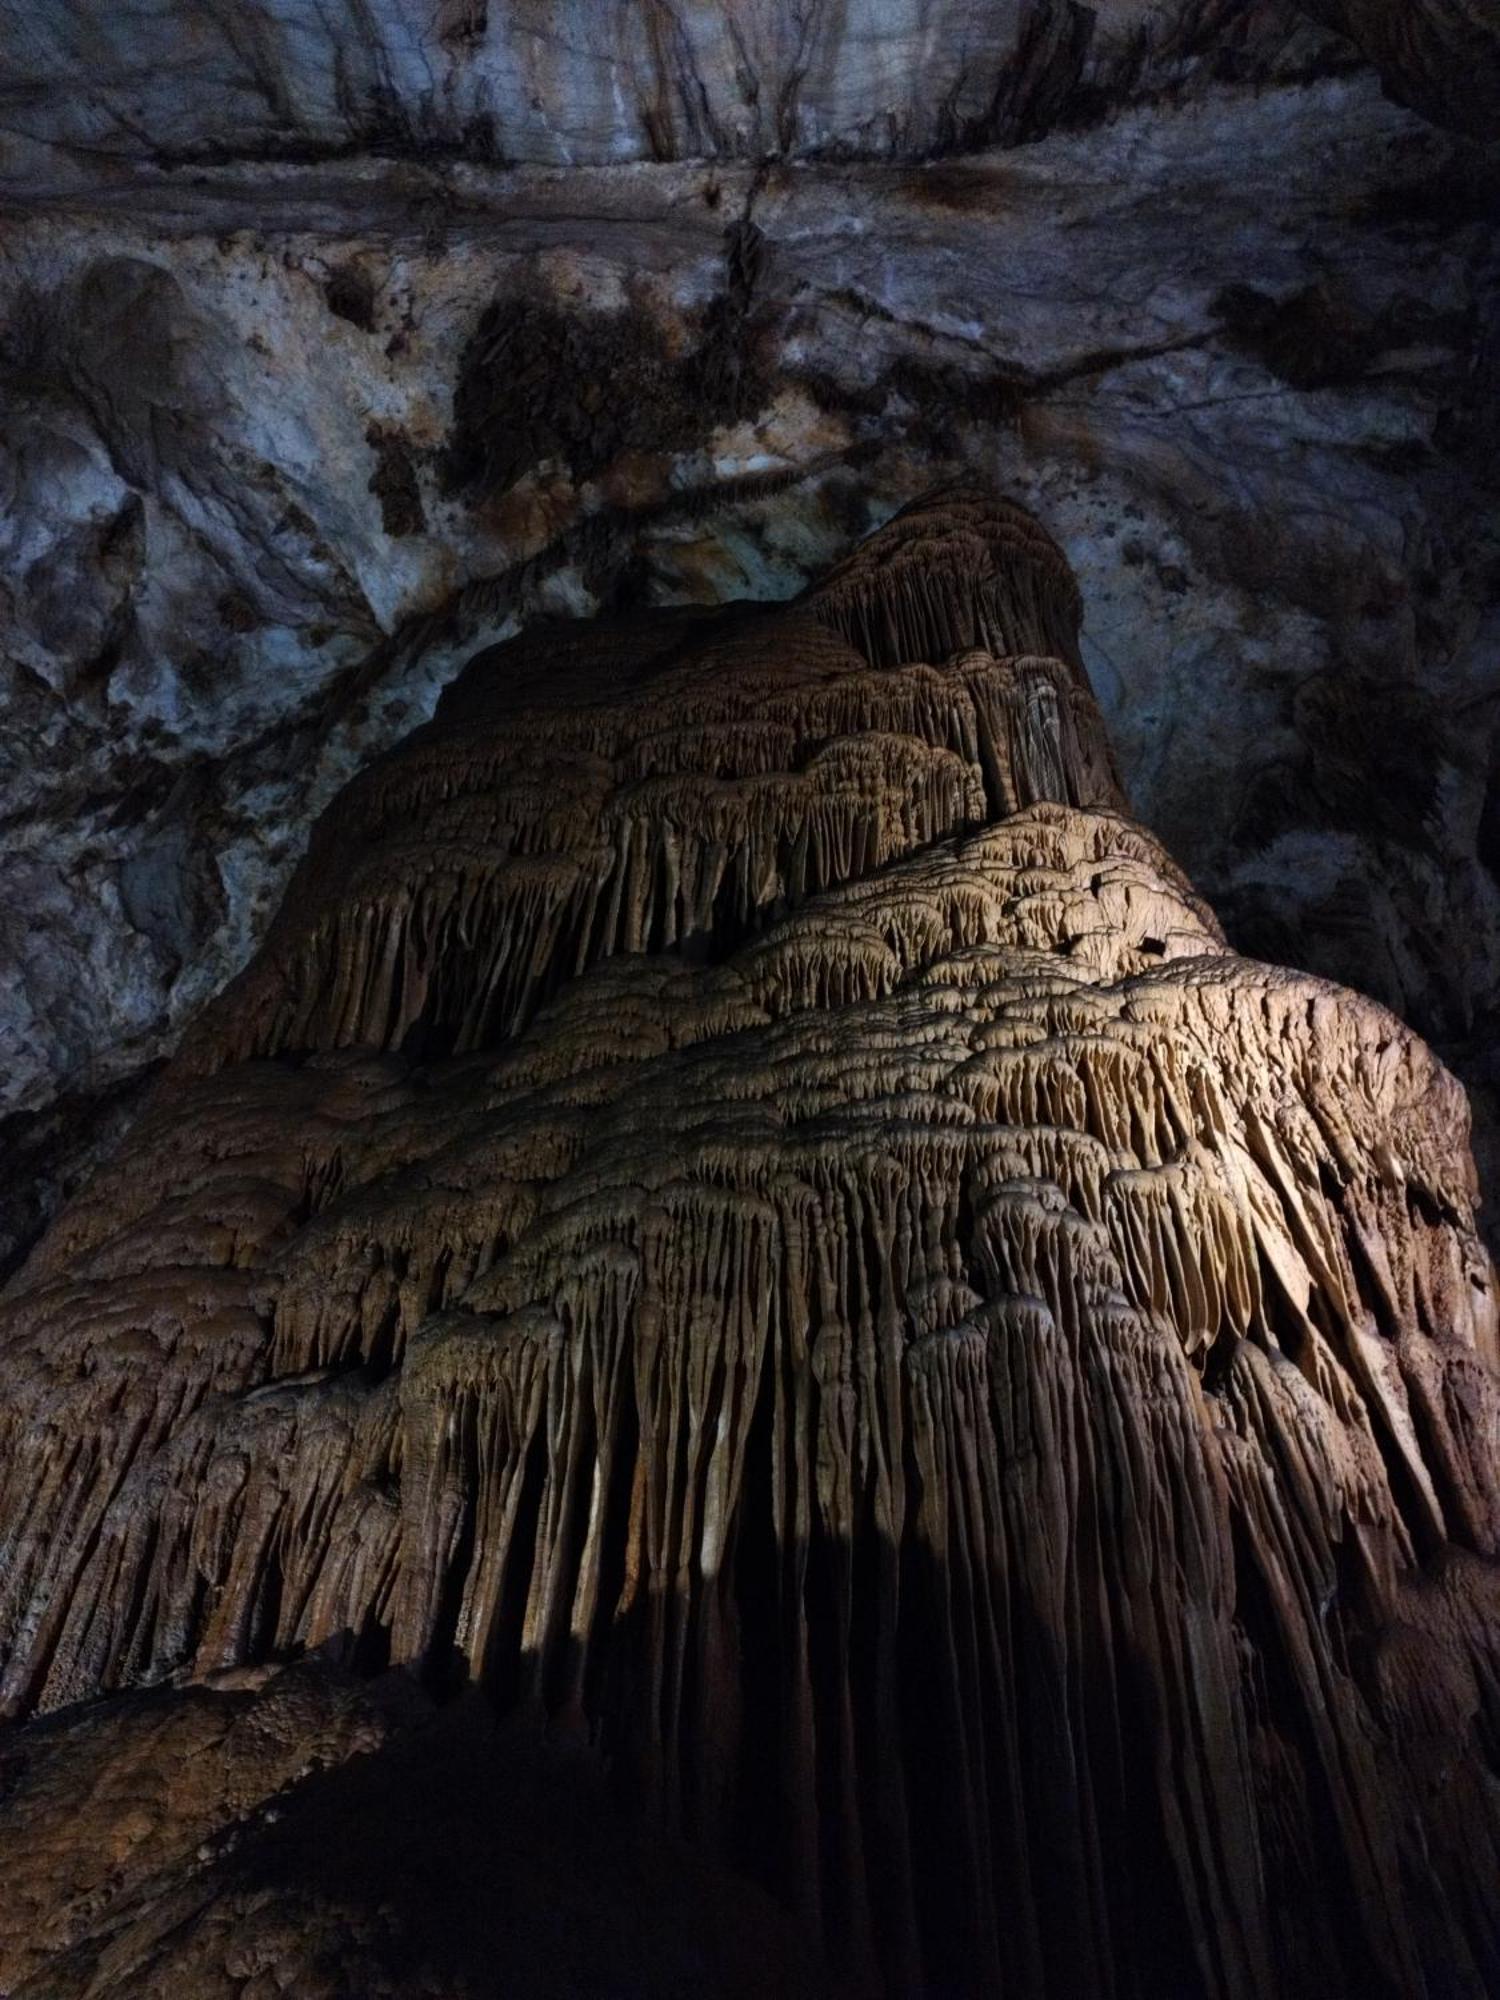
[748, 1212]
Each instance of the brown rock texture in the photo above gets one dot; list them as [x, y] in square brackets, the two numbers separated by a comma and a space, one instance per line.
[924, 1427]
[282, 446]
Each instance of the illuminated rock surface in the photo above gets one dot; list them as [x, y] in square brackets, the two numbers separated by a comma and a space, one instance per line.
[817, 1375]
[563, 82]
[284, 441]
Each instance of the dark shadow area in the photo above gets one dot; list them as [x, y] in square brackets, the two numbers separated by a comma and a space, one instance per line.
[477, 1857]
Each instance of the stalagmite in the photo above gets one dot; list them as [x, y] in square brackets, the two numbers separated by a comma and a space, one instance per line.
[748, 1232]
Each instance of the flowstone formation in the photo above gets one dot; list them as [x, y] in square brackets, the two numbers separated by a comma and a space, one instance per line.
[748, 1359]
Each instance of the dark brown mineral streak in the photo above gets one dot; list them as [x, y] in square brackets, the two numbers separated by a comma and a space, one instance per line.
[749, 1360]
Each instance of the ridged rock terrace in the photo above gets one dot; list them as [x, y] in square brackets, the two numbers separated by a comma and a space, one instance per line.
[747, 1359]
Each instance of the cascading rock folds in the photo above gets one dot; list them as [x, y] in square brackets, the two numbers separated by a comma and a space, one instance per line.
[747, 1216]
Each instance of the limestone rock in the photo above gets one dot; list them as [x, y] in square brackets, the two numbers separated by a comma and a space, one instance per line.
[1237, 343]
[748, 1217]
[1442, 57]
[554, 81]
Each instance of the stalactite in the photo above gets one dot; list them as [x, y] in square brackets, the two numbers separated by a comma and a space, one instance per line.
[748, 1211]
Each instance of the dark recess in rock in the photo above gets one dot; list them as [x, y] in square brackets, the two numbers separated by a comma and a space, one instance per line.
[1442, 57]
[537, 382]
[1311, 339]
[351, 295]
[394, 483]
[49, 1154]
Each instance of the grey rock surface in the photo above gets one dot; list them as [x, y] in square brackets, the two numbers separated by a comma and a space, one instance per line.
[1442, 57]
[586, 82]
[282, 443]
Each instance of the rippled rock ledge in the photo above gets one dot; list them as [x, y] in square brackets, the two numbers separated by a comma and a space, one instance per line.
[748, 1357]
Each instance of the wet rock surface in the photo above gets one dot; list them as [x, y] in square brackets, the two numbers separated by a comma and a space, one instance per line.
[766, 1299]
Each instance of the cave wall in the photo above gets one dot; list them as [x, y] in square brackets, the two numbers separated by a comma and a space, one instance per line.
[285, 440]
[566, 82]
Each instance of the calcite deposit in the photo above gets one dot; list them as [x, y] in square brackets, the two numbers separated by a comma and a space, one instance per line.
[749, 1307]
[284, 442]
